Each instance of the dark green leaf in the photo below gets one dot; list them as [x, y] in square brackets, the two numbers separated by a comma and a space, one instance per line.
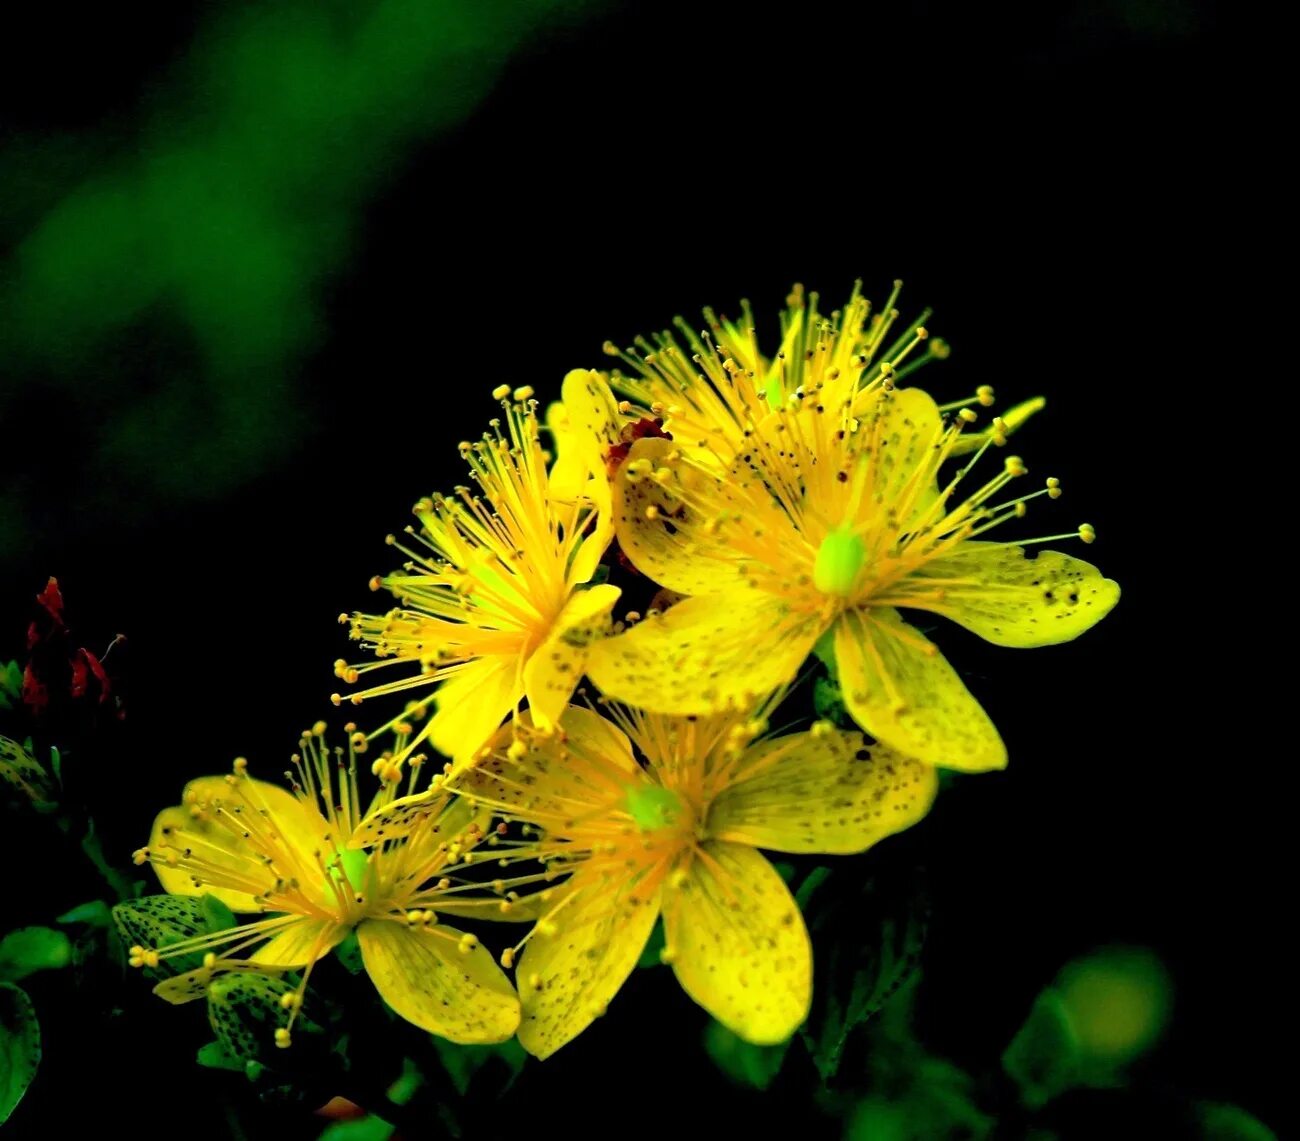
[653, 947]
[23, 776]
[216, 1057]
[20, 1047]
[868, 932]
[1231, 1123]
[741, 1061]
[349, 954]
[828, 702]
[96, 913]
[158, 921]
[361, 1129]
[405, 1087]
[31, 949]
[216, 915]
[1043, 1058]
[463, 1063]
[245, 1011]
[11, 684]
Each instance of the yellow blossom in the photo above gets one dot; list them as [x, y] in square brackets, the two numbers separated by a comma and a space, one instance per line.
[831, 516]
[296, 858]
[494, 602]
[677, 836]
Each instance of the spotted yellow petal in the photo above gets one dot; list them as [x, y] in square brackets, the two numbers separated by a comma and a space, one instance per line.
[902, 425]
[815, 792]
[567, 977]
[567, 479]
[903, 692]
[472, 703]
[555, 774]
[737, 942]
[301, 943]
[555, 667]
[1010, 600]
[705, 654]
[664, 528]
[426, 977]
[212, 822]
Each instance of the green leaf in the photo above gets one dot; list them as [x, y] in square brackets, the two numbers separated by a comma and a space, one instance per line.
[245, 1011]
[361, 1129]
[405, 1087]
[349, 954]
[1043, 1058]
[1230, 1123]
[20, 1047]
[743, 1062]
[11, 684]
[216, 1057]
[32, 949]
[464, 1063]
[868, 933]
[216, 914]
[653, 947]
[96, 913]
[158, 921]
[23, 775]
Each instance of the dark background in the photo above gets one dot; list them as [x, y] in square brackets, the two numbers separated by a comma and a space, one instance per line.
[1038, 173]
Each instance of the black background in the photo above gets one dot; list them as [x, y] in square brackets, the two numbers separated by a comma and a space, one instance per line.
[1040, 174]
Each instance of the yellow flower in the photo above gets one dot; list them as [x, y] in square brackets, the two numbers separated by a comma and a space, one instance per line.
[677, 836]
[297, 857]
[492, 601]
[830, 517]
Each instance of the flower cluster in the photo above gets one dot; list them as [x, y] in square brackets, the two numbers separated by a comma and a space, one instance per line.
[762, 509]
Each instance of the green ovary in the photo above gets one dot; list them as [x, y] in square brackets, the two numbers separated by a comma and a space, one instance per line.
[839, 561]
[653, 806]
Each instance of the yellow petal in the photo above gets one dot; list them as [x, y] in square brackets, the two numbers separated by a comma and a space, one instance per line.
[1011, 600]
[556, 666]
[738, 944]
[830, 793]
[400, 817]
[556, 774]
[192, 985]
[567, 479]
[235, 870]
[472, 703]
[903, 426]
[902, 691]
[594, 424]
[302, 943]
[705, 654]
[426, 978]
[664, 538]
[566, 979]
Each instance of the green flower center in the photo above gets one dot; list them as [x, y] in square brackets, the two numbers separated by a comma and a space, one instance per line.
[653, 806]
[840, 559]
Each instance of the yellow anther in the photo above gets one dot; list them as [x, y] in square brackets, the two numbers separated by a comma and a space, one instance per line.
[501, 392]
[318, 730]
[1015, 466]
[241, 765]
[1021, 510]
[1087, 532]
[151, 958]
[524, 392]
[966, 416]
[821, 729]
[282, 1038]
[209, 961]
[984, 394]
[290, 1001]
[1053, 488]
[413, 917]
[467, 944]
[140, 856]
[508, 958]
